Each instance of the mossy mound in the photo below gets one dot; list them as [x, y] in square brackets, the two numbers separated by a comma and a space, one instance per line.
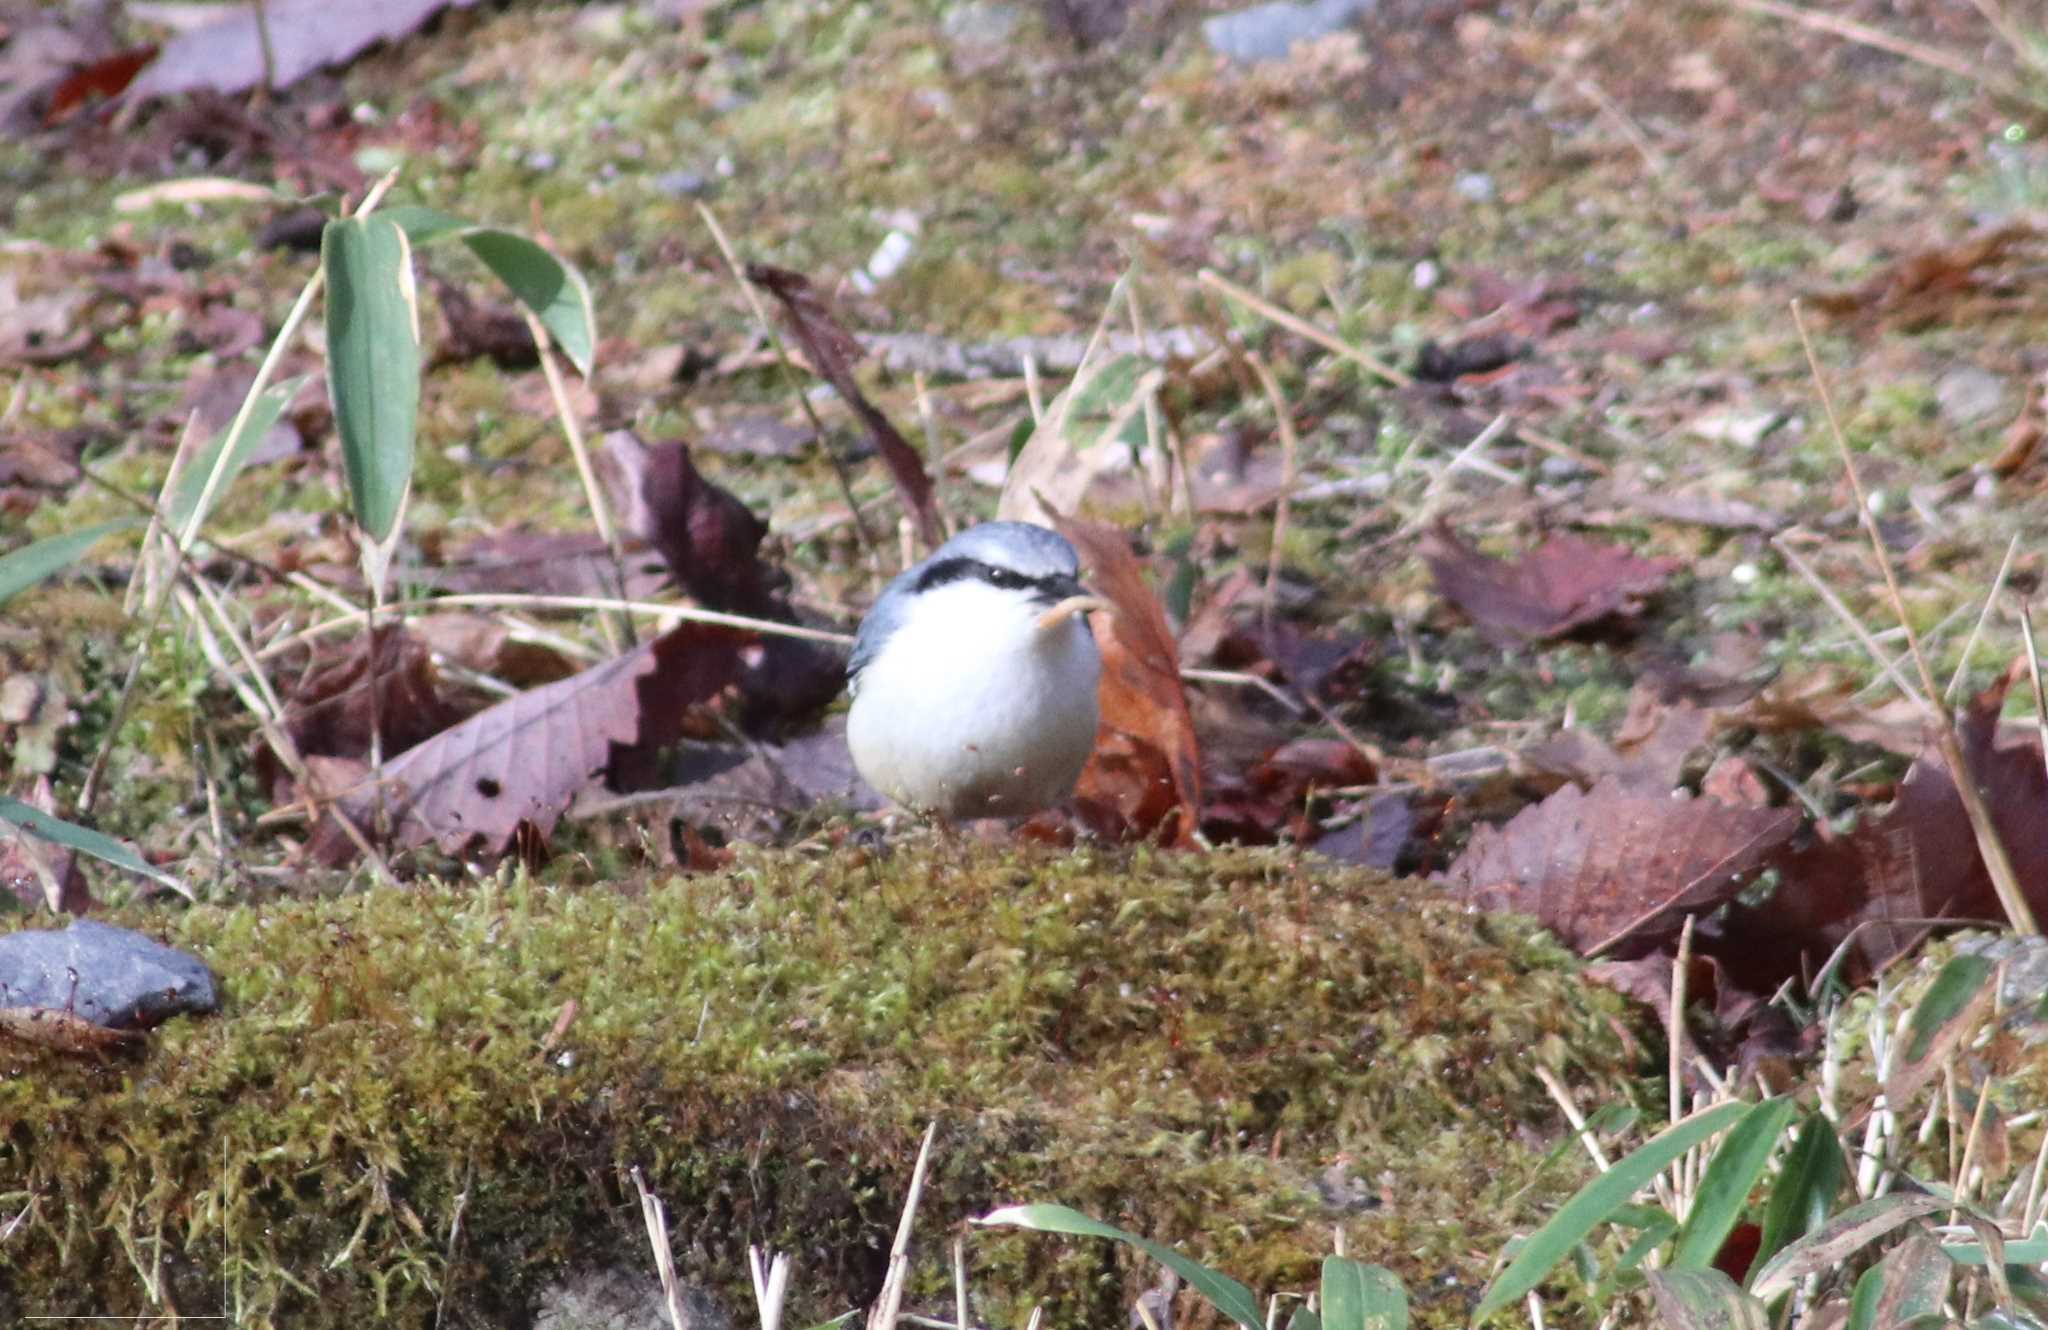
[1181, 1044]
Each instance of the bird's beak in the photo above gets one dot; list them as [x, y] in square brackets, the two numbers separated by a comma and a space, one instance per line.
[1067, 609]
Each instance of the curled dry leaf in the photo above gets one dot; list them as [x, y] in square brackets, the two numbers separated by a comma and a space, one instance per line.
[299, 37]
[833, 352]
[518, 764]
[329, 703]
[1917, 860]
[1614, 870]
[711, 542]
[1144, 779]
[1563, 584]
[1930, 284]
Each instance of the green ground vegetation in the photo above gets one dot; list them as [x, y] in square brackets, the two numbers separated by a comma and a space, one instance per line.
[1184, 1044]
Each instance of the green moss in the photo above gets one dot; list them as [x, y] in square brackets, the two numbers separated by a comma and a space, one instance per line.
[1180, 1044]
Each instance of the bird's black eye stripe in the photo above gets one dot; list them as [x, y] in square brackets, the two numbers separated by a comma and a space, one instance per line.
[960, 569]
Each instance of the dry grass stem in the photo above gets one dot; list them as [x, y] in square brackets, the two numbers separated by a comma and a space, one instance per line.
[2012, 547]
[1399, 378]
[1630, 130]
[652, 1214]
[789, 374]
[1570, 1108]
[1863, 34]
[2004, 880]
[1290, 449]
[617, 631]
[884, 1314]
[2034, 677]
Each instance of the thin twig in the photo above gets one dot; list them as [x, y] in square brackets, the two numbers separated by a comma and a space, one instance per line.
[1290, 447]
[2004, 880]
[2034, 674]
[2012, 547]
[1399, 378]
[1570, 1108]
[883, 1317]
[617, 633]
[652, 1214]
[789, 374]
[1865, 35]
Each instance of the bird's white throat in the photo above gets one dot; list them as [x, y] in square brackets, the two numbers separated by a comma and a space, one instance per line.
[972, 708]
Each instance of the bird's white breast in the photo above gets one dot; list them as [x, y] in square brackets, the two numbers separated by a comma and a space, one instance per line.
[969, 710]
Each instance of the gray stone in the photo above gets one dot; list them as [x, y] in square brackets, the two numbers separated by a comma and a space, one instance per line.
[1967, 395]
[113, 977]
[682, 184]
[1476, 186]
[1269, 32]
[982, 24]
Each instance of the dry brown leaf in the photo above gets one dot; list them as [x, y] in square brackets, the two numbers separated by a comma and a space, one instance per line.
[1917, 860]
[833, 352]
[1144, 779]
[711, 542]
[329, 709]
[1929, 284]
[63, 1031]
[1614, 870]
[1565, 583]
[518, 764]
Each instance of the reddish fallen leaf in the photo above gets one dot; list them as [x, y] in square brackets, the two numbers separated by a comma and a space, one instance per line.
[537, 563]
[833, 352]
[1144, 780]
[304, 35]
[100, 79]
[329, 703]
[1929, 284]
[1378, 835]
[1615, 871]
[1649, 753]
[1918, 860]
[480, 330]
[1565, 583]
[711, 542]
[2022, 439]
[515, 767]
[488, 646]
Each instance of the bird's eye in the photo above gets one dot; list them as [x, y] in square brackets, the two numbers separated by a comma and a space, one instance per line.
[1007, 580]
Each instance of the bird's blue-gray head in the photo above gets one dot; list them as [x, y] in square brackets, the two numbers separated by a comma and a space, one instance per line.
[1032, 560]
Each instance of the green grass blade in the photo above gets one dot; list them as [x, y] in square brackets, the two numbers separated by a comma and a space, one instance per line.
[373, 363]
[553, 290]
[84, 840]
[423, 226]
[227, 455]
[1833, 1242]
[1704, 1300]
[1947, 997]
[1304, 1319]
[1362, 1297]
[1598, 1200]
[1806, 1188]
[23, 568]
[1730, 1177]
[1230, 1297]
